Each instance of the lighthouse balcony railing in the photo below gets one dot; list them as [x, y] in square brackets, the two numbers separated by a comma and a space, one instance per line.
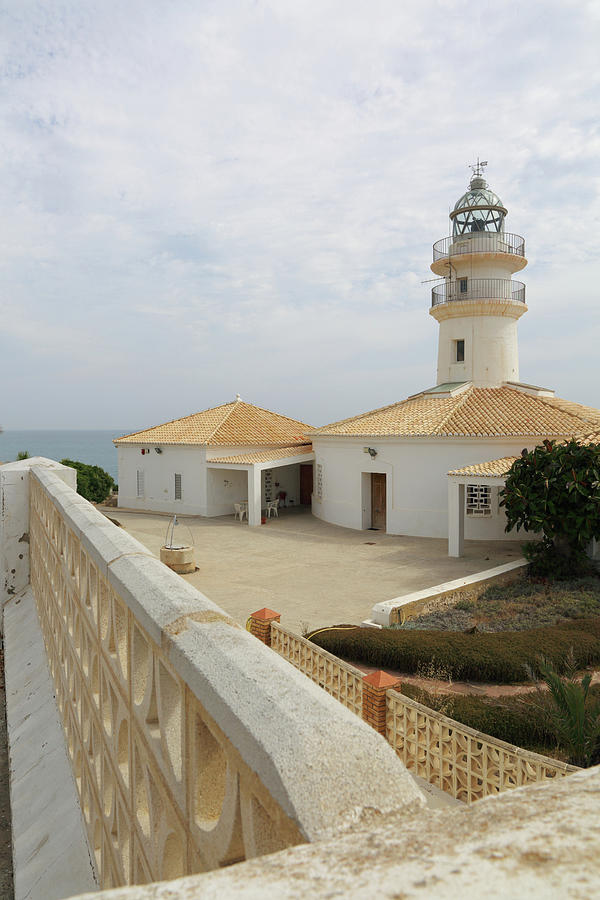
[478, 289]
[479, 242]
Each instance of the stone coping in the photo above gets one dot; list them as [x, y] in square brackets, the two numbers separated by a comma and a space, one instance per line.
[410, 605]
[536, 842]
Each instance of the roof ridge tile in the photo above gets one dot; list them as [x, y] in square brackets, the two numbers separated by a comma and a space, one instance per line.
[462, 399]
[223, 420]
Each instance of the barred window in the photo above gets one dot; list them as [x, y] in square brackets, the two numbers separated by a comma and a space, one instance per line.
[139, 483]
[319, 480]
[479, 500]
[178, 487]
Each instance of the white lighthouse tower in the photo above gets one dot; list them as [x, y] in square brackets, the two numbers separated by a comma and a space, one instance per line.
[478, 304]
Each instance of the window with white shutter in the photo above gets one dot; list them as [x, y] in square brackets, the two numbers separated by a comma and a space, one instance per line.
[139, 483]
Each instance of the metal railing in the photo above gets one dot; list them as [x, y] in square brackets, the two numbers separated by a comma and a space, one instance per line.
[479, 242]
[478, 289]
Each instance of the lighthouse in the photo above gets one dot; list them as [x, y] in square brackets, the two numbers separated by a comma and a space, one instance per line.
[478, 303]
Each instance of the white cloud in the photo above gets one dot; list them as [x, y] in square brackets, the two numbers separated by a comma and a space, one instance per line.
[243, 196]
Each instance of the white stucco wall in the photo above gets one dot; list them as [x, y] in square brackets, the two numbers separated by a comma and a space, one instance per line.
[491, 350]
[417, 482]
[159, 478]
[14, 521]
[285, 478]
[205, 491]
[225, 488]
[482, 266]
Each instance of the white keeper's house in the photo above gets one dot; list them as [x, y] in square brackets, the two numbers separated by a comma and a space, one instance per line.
[433, 465]
[429, 466]
[205, 463]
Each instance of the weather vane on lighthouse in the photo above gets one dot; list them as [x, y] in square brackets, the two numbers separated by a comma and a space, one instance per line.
[478, 167]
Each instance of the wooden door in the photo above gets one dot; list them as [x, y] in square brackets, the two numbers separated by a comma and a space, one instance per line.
[378, 501]
[306, 485]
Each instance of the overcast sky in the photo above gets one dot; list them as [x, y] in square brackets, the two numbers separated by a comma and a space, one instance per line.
[203, 198]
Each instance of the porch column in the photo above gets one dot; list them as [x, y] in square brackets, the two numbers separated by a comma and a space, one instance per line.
[254, 496]
[456, 518]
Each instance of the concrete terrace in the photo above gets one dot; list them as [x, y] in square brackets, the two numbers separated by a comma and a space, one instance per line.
[312, 572]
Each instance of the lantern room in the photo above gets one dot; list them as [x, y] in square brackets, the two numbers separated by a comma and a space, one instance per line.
[479, 209]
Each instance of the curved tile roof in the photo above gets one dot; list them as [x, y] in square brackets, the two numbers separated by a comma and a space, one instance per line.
[259, 456]
[591, 438]
[231, 424]
[491, 469]
[475, 412]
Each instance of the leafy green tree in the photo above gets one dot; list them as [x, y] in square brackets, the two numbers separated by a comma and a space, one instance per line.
[23, 454]
[93, 483]
[555, 489]
[574, 714]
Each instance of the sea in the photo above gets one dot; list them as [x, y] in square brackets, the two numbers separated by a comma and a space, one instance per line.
[93, 447]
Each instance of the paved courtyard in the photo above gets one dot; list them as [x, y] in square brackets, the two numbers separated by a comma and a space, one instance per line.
[311, 572]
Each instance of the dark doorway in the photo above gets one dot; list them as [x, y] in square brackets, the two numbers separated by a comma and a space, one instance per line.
[378, 498]
[306, 485]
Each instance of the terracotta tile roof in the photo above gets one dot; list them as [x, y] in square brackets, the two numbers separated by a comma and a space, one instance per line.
[232, 424]
[591, 438]
[474, 412]
[264, 455]
[491, 469]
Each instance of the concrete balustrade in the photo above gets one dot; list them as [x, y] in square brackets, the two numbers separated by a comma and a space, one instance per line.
[192, 746]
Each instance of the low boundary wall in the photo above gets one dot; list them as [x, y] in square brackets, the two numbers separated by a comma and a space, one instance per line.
[440, 596]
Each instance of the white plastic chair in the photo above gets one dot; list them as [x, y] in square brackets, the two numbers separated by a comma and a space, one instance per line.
[241, 510]
[272, 508]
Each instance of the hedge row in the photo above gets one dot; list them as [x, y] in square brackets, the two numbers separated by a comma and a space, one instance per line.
[522, 721]
[516, 720]
[501, 657]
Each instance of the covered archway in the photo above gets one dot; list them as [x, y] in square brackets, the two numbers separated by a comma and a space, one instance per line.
[263, 468]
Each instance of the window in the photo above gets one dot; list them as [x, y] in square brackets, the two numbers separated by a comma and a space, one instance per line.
[319, 480]
[459, 351]
[463, 285]
[139, 483]
[178, 487]
[479, 500]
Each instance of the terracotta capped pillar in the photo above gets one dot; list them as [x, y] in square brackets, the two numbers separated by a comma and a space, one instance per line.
[259, 624]
[375, 687]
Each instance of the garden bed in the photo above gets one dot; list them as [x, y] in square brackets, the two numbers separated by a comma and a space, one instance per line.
[523, 720]
[515, 607]
[500, 657]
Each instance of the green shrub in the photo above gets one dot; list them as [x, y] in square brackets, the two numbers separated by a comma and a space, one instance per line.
[555, 489]
[93, 483]
[516, 720]
[573, 710]
[523, 721]
[464, 605]
[501, 657]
